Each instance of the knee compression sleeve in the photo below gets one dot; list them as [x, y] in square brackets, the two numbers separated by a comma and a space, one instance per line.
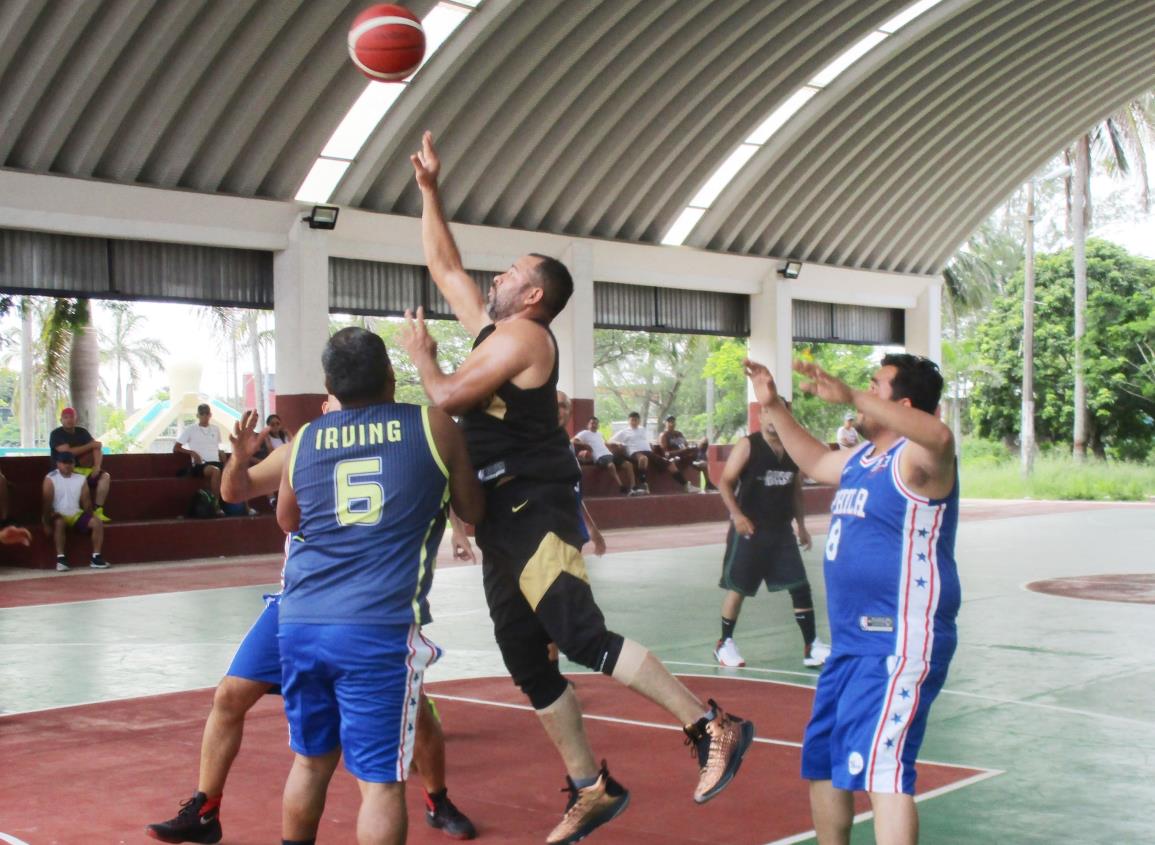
[804, 612]
[631, 656]
[801, 597]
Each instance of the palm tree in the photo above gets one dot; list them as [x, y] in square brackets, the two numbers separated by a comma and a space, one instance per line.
[242, 325]
[1113, 144]
[72, 355]
[127, 351]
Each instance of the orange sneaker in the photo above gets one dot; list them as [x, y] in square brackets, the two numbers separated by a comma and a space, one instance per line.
[719, 744]
[589, 808]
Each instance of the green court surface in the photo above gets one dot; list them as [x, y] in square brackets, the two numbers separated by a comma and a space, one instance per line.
[1051, 695]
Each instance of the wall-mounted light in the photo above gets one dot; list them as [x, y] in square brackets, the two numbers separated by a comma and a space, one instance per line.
[791, 270]
[323, 217]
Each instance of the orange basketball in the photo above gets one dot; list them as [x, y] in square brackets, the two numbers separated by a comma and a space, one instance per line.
[386, 42]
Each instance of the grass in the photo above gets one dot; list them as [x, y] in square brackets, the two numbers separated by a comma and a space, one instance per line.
[987, 476]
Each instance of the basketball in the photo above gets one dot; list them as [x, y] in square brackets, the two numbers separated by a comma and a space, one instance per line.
[386, 42]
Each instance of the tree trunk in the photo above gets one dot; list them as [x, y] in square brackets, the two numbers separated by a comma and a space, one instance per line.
[28, 401]
[254, 333]
[1079, 238]
[84, 375]
[1027, 420]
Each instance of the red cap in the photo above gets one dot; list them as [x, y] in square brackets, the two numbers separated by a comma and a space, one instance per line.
[68, 411]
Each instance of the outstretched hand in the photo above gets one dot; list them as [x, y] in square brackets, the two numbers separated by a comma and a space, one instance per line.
[820, 383]
[762, 380]
[415, 336]
[426, 163]
[245, 439]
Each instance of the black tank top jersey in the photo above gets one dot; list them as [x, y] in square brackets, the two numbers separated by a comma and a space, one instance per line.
[515, 431]
[766, 486]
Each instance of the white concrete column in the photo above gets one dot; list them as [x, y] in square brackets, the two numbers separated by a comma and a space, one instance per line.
[301, 312]
[574, 327]
[924, 322]
[771, 333]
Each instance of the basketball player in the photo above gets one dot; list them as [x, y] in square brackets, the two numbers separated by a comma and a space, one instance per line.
[364, 495]
[256, 671]
[761, 547]
[892, 589]
[534, 575]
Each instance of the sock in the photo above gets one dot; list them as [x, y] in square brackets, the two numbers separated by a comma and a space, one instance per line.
[432, 799]
[61, 558]
[582, 783]
[641, 476]
[678, 477]
[728, 626]
[805, 620]
[211, 803]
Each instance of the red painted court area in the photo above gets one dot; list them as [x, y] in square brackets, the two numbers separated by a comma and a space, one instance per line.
[99, 773]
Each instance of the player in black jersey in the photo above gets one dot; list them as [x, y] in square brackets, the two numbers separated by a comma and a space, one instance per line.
[535, 578]
[761, 546]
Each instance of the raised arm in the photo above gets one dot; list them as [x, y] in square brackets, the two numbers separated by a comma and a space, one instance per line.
[239, 481]
[928, 463]
[810, 453]
[509, 353]
[441, 254]
[465, 494]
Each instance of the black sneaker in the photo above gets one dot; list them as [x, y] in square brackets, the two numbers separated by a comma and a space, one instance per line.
[190, 824]
[441, 813]
[62, 564]
[98, 562]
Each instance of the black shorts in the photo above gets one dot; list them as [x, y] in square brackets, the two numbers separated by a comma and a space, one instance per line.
[607, 460]
[535, 577]
[198, 470]
[771, 556]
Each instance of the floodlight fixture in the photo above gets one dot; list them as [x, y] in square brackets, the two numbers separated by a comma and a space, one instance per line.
[791, 270]
[323, 217]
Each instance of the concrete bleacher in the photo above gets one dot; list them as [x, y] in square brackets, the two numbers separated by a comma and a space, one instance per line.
[147, 502]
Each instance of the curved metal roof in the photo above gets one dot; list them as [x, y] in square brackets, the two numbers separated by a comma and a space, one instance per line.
[597, 118]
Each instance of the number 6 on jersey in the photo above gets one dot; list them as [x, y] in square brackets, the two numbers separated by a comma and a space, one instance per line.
[359, 500]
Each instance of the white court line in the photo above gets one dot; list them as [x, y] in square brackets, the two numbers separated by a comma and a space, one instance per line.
[137, 596]
[934, 793]
[979, 696]
[11, 840]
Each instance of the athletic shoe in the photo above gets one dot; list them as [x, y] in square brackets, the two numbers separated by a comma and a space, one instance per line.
[816, 653]
[726, 653]
[190, 824]
[441, 813]
[719, 744]
[638, 491]
[62, 564]
[100, 514]
[98, 562]
[589, 808]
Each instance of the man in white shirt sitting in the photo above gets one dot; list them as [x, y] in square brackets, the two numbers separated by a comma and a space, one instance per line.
[591, 447]
[847, 435]
[637, 442]
[202, 442]
[68, 504]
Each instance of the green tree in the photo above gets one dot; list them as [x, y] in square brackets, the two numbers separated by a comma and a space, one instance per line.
[851, 363]
[1120, 322]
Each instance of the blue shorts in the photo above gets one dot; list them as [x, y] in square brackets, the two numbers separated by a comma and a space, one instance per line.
[258, 657]
[868, 721]
[355, 687]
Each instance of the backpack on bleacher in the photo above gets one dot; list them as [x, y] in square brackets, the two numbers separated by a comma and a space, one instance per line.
[202, 505]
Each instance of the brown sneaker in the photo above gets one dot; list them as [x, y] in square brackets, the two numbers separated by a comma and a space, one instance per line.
[719, 744]
[589, 808]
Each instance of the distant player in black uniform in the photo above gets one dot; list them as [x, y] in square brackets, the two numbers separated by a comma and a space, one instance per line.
[761, 546]
[535, 578]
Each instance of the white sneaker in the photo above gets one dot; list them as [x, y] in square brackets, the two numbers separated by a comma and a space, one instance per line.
[62, 567]
[726, 653]
[819, 651]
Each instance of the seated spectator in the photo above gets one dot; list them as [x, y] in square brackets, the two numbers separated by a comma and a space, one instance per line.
[68, 504]
[847, 435]
[201, 441]
[680, 453]
[641, 453]
[87, 450]
[592, 448]
[274, 435]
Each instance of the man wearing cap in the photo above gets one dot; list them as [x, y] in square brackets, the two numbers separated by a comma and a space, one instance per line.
[68, 504]
[847, 436]
[89, 455]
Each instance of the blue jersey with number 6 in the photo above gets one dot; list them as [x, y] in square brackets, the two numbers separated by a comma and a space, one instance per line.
[372, 490]
[892, 587]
